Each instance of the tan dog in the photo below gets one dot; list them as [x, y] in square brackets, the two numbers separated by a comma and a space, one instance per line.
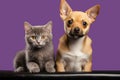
[74, 50]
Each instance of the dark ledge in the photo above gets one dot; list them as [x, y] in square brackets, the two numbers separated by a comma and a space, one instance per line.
[10, 75]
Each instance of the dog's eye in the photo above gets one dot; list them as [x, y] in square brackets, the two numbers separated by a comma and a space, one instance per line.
[70, 21]
[84, 23]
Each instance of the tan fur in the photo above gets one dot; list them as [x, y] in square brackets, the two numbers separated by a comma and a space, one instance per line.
[85, 48]
[61, 48]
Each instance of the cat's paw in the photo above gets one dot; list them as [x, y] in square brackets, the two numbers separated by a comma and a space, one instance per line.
[50, 70]
[33, 67]
[19, 69]
[34, 70]
[49, 66]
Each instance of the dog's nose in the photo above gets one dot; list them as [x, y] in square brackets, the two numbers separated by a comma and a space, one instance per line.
[76, 30]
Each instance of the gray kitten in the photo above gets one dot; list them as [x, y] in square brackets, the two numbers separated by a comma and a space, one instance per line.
[38, 55]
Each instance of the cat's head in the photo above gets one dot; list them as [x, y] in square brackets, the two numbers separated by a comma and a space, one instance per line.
[38, 36]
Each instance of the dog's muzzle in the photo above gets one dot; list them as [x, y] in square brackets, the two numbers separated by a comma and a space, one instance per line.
[76, 30]
[76, 33]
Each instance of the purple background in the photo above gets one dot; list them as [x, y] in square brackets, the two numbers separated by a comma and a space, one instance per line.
[104, 32]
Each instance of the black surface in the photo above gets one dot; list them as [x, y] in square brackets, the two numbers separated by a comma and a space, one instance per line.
[10, 75]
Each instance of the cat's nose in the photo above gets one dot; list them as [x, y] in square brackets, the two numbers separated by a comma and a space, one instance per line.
[40, 42]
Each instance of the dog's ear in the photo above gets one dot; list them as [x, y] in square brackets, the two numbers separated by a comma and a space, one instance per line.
[93, 12]
[65, 9]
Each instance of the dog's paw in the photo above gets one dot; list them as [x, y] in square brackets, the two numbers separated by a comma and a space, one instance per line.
[19, 69]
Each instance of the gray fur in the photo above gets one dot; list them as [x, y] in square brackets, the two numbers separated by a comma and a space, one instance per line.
[38, 55]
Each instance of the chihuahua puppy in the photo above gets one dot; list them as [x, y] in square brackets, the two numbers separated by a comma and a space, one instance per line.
[74, 50]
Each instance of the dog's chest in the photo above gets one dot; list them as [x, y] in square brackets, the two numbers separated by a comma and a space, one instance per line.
[75, 55]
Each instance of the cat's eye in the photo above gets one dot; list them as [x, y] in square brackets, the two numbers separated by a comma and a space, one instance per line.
[43, 37]
[84, 23]
[33, 37]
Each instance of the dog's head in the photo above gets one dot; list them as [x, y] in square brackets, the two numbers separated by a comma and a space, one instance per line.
[77, 23]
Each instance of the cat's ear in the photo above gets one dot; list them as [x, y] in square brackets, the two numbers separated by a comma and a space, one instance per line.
[48, 26]
[27, 26]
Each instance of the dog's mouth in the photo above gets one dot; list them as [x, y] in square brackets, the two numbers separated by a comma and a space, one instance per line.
[75, 35]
